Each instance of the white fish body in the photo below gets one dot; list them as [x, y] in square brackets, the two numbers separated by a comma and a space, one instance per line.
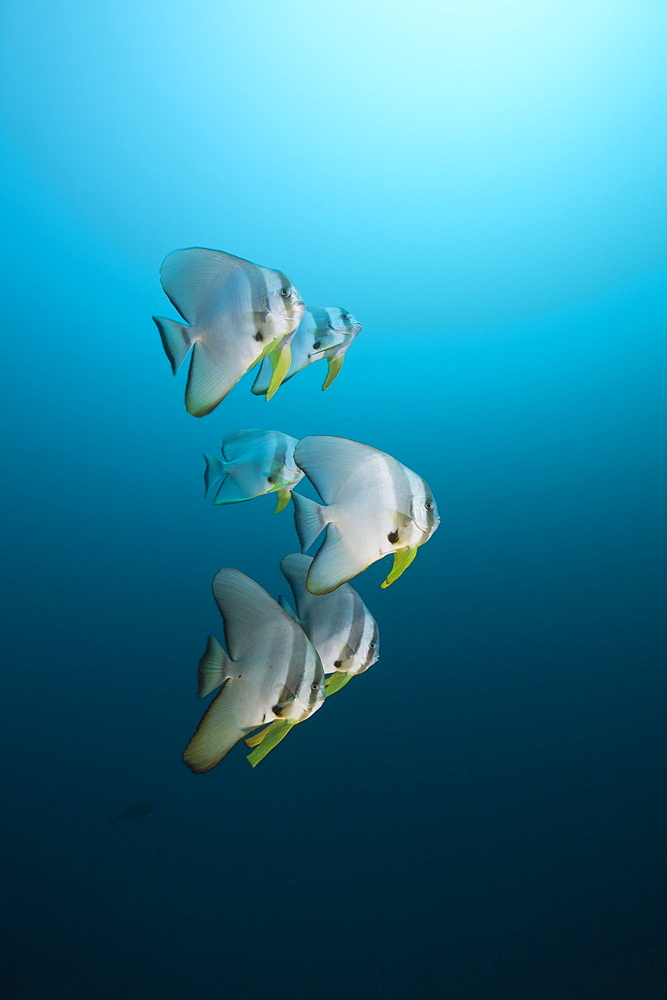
[255, 462]
[374, 506]
[324, 332]
[271, 673]
[238, 313]
[339, 625]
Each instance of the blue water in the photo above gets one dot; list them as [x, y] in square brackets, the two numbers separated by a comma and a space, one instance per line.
[481, 815]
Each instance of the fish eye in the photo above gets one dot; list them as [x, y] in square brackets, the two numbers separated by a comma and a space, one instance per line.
[285, 292]
[345, 317]
[428, 505]
[315, 687]
[371, 645]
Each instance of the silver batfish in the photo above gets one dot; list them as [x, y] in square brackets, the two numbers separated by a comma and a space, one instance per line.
[272, 673]
[339, 625]
[239, 313]
[255, 462]
[324, 332]
[374, 506]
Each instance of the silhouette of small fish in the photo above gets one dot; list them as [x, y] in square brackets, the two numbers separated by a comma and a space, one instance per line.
[132, 813]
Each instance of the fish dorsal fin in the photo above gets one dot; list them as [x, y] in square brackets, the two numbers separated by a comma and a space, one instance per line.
[249, 613]
[295, 570]
[237, 444]
[335, 563]
[187, 275]
[330, 461]
[295, 567]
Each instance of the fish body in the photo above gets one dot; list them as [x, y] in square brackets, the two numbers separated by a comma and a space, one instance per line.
[238, 313]
[270, 673]
[255, 462]
[373, 506]
[339, 625]
[324, 332]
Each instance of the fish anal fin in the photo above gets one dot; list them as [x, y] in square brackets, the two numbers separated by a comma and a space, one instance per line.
[335, 563]
[219, 730]
[208, 383]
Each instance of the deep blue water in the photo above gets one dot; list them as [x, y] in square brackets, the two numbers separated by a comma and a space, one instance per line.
[481, 815]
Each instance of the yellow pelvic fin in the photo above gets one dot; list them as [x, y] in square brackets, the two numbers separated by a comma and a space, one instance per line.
[278, 731]
[334, 682]
[402, 559]
[256, 738]
[267, 349]
[335, 364]
[281, 358]
[283, 500]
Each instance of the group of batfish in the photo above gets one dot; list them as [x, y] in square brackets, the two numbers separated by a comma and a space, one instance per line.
[281, 664]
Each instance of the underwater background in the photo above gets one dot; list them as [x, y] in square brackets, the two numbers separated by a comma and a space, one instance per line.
[480, 816]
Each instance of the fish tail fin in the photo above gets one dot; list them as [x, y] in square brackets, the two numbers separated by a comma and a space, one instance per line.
[214, 472]
[213, 668]
[335, 364]
[219, 730]
[310, 519]
[176, 340]
[281, 358]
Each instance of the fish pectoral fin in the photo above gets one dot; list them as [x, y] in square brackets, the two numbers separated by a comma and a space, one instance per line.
[281, 358]
[283, 499]
[335, 364]
[270, 738]
[334, 682]
[402, 559]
